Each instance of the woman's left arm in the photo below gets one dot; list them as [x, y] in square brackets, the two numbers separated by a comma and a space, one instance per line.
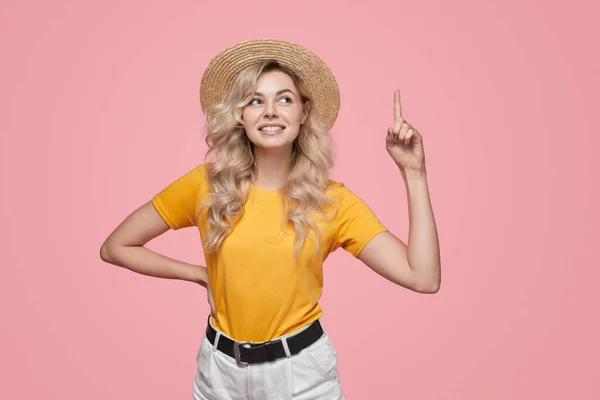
[416, 266]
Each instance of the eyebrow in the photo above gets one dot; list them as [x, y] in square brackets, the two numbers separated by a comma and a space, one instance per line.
[276, 94]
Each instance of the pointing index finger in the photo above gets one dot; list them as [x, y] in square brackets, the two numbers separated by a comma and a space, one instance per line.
[397, 107]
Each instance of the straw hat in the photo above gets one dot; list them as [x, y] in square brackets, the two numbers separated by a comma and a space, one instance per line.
[225, 66]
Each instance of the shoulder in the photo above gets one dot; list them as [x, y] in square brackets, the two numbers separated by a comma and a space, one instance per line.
[343, 197]
[339, 190]
[197, 174]
[201, 169]
[189, 181]
[334, 187]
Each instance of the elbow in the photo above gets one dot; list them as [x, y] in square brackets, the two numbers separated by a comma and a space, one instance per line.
[432, 289]
[428, 281]
[106, 253]
[429, 287]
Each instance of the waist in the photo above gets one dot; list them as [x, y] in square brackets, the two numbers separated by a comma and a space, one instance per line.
[249, 352]
[259, 327]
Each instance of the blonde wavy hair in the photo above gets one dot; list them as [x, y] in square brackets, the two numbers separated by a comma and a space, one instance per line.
[230, 176]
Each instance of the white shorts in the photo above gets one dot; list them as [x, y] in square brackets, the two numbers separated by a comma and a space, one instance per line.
[309, 375]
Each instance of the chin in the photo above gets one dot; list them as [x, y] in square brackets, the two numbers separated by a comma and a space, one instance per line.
[273, 145]
[273, 142]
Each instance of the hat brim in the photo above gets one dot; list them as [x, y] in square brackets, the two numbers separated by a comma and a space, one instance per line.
[223, 69]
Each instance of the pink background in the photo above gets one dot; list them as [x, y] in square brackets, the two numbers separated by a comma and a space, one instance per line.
[99, 110]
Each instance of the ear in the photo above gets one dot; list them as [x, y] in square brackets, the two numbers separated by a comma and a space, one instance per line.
[305, 110]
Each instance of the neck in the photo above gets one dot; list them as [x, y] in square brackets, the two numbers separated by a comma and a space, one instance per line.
[272, 166]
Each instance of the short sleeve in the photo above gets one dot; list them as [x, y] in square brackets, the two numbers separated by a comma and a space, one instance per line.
[357, 224]
[177, 203]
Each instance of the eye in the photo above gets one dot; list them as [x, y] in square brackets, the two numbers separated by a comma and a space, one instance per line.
[252, 102]
[289, 100]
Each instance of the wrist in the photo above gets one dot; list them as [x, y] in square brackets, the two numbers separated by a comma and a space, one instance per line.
[194, 273]
[413, 173]
[201, 276]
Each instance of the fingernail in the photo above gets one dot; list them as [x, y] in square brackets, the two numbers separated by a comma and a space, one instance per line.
[388, 131]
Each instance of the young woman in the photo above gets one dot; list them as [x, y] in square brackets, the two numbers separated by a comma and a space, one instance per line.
[268, 217]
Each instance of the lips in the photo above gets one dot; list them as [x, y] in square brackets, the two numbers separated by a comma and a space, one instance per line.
[271, 126]
[271, 129]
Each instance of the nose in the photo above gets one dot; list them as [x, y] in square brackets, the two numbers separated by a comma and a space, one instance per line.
[270, 110]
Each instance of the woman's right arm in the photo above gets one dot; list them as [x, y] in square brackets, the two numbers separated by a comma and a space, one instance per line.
[125, 247]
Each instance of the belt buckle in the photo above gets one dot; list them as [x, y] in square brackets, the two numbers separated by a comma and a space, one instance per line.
[236, 353]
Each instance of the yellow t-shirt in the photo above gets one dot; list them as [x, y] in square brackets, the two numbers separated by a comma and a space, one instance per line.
[261, 290]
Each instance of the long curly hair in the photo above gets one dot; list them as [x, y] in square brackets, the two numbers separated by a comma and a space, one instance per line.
[304, 196]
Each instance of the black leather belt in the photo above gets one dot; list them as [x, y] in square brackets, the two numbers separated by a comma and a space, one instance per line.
[252, 353]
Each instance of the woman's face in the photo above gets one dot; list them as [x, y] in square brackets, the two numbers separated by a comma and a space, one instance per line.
[273, 117]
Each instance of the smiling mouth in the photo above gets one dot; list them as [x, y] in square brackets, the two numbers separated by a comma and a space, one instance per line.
[271, 129]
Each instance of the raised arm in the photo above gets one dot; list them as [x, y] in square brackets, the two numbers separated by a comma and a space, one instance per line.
[416, 266]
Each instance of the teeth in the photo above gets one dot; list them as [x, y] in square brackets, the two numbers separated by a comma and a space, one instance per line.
[271, 128]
